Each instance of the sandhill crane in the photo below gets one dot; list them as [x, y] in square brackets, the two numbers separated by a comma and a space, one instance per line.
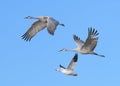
[88, 46]
[41, 23]
[71, 66]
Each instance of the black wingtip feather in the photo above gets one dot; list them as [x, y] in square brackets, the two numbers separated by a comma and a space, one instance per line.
[76, 37]
[61, 66]
[92, 31]
[75, 57]
[26, 37]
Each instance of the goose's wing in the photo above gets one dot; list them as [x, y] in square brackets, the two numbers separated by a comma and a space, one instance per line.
[78, 42]
[32, 31]
[91, 40]
[51, 25]
[73, 62]
[62, 66]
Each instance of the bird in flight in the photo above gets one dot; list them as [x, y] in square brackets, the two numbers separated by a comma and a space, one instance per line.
[41, 23]
[88, 46]
[70, 68]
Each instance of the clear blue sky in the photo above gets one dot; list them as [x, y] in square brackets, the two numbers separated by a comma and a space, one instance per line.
[34, 63]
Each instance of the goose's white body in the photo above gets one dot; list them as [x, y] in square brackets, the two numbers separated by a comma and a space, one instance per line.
[66, 71]
[70, 68]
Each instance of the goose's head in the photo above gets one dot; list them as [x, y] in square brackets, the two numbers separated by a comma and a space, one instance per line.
[58, 69]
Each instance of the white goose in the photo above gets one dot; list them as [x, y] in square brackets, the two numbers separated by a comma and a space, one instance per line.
[41, 23]
[88, 46]
[71, 66]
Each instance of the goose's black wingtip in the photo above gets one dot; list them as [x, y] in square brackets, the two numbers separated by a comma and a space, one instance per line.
[75, 58]
[61, 66]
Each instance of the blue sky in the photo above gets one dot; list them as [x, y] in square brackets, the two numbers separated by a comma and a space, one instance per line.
[34, 63]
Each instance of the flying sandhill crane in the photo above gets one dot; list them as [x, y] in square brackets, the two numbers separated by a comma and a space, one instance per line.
[88, 46]
[41, 23]
[71, 66]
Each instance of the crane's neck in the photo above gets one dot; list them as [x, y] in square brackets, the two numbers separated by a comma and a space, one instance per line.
[31, 17]
[34, 18]
[73, 50]
[76, 49]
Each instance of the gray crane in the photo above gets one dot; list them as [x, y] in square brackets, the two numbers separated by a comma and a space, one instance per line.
[88, 46]
[70, 68]
[41, 23]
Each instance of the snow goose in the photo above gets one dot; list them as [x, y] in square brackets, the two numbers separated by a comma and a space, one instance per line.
[71, 66]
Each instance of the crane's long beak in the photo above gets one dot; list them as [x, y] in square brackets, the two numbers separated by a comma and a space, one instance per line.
[30, 17]
[64, 49]
[60, 50]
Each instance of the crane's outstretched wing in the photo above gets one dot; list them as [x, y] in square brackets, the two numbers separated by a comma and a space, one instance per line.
[51, 25]
[32, 31]
[91, 40]
[73, 62]
[78, 42]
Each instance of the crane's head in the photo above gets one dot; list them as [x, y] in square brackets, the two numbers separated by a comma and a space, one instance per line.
[31, 17]
[64, 49]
